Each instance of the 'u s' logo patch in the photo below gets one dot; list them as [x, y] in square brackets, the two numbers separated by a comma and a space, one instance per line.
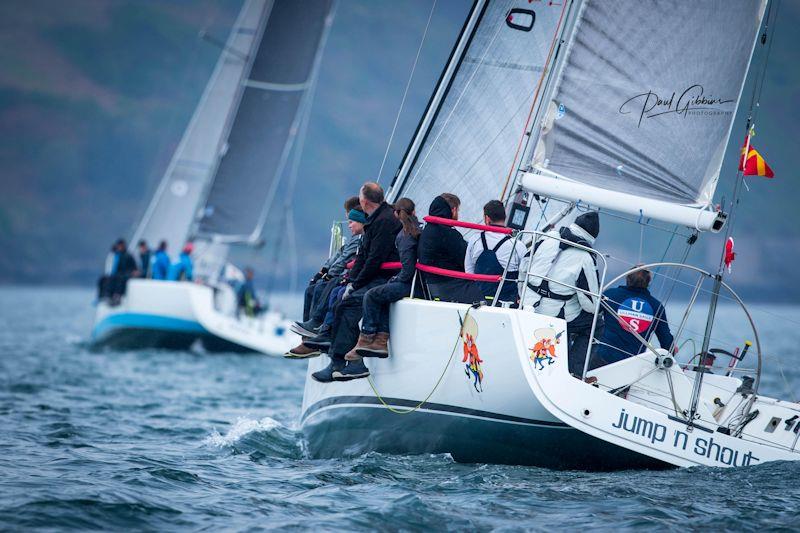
[635, 314]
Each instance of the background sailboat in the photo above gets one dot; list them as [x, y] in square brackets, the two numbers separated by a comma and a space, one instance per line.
[221, 182]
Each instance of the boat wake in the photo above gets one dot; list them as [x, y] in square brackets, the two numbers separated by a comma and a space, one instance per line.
[259, 438]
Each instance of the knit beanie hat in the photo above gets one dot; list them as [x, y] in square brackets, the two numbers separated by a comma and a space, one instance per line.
[356, 215]
[590, 222]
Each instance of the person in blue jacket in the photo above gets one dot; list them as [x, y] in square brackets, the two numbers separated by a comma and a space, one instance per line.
[160, 262]
[182, 270]
[638, 311]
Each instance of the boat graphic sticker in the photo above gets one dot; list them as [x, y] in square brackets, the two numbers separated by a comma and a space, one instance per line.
[635, 314]
[472, 361]
[544, 349]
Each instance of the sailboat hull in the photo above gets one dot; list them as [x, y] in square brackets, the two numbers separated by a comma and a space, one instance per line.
[176, 315]
[494, 419]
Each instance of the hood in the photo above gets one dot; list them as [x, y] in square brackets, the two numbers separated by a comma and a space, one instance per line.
[576, 234]
[440, 208]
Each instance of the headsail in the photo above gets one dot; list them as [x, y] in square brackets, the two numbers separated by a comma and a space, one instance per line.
[266, 122]
[644, 104]
[470, 137]
[173, 209]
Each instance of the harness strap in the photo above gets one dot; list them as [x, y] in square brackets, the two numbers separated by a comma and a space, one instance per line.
[501, 243]
[543, 290]
[483, 240]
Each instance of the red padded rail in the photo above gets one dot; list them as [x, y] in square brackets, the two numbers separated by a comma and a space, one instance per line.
[392, 265]
[482, 227]
[494, 278]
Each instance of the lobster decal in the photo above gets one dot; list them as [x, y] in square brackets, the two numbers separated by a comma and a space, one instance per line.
[472, 360]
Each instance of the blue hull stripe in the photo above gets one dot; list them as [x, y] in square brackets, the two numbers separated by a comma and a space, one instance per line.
[145, 321]
[397, 402]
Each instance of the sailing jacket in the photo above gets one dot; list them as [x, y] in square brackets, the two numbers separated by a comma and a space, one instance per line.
[337, 264]
[182, 269]
[377, 246]
[407, 250]
[567, 267]
[638, 310]
[161, 263]
[441, 246]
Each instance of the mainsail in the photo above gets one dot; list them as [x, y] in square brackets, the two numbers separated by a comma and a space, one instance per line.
[470, 139]
[642, 109]
[173, 209]
[266, 122]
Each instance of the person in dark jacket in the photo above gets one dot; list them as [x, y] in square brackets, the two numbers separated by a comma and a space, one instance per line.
[377, 247]
[637, 310]
[374, 338]
[123, 268]
[444, 247]
[144, 259]
[246, 297]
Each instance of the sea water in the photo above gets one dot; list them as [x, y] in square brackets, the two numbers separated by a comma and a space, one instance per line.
[159, 440]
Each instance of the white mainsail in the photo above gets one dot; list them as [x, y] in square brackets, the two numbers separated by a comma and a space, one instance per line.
[173, 209]
[641, 112]
[470, 140]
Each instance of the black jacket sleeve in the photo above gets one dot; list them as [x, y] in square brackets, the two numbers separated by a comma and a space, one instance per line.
[380, 248]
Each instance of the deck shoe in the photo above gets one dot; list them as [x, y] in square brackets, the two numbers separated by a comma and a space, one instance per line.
[364, 339]
[379, 347]
[326, 374]
[353, 370]
[305, 329]
[320, 342]
[302, 352]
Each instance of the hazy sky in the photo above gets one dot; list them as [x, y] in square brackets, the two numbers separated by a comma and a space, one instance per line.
[95, 94]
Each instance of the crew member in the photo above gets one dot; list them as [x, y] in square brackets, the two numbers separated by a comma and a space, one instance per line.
[144, 259]
[161, 262]
[563, 282]
[489, 252]
[182, 269]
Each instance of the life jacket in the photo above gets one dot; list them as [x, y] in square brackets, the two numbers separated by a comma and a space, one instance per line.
[487, 263]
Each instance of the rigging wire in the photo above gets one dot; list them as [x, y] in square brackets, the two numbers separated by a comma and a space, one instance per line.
[405, 92]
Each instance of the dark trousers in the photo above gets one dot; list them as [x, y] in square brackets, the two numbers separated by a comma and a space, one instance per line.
[454, 290]
[333, 299]
[376, 305]
[308, 298]
[578, 336]
[319, 303]
[346, 315]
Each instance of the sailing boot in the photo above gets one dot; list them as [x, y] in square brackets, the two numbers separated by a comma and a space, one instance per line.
[364, 339]
[305, 329]
[302, 352]
[321, 342]
[379, 347]
[326, 374]
[353, 370]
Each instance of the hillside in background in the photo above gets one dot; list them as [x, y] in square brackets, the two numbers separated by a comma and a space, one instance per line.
[95, 95]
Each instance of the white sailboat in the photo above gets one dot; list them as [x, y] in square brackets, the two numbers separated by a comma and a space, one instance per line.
[221, 183]
[623, 106]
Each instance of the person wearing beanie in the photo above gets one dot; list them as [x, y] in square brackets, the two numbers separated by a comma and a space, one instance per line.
[325, 288]
[563, 282]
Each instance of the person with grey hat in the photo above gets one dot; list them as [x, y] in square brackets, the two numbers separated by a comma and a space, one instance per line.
[564, 283]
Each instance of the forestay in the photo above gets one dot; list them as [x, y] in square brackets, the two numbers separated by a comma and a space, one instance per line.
[645, 101]
[265, 124]
[469, 138]
[173, 209]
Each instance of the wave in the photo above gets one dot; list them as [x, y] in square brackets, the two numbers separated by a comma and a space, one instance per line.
[265, 437]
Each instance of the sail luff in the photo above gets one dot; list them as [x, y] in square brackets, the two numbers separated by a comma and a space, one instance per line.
[172, 209]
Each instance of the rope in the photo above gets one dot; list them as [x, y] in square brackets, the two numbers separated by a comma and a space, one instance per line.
[405, 93]
[438, 381]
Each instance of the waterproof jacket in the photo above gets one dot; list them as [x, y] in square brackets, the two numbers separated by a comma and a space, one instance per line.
[441, 246]
[182, 270]
[161, 263]
[639, 311]
[123, 264]
[377, 246]
[566, 267]
[144, 263]
[337, 264]
[407, 249]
